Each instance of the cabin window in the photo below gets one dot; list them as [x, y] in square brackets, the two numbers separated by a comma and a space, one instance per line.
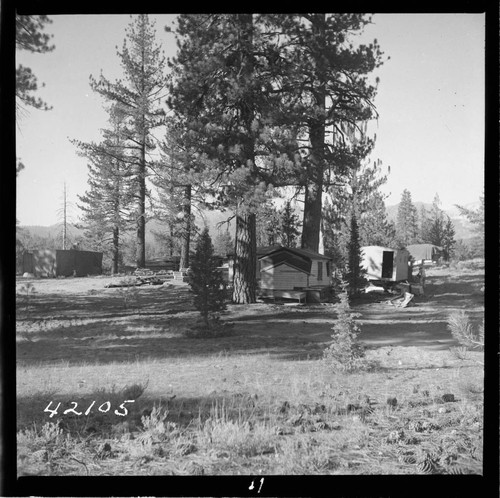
[320, 270]
[328, 269]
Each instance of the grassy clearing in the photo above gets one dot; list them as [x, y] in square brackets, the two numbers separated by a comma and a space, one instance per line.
[258, 402]
[271, 417]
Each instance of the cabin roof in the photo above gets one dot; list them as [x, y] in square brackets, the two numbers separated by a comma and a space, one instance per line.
[280, 257]
[261, 251]
[301, 253]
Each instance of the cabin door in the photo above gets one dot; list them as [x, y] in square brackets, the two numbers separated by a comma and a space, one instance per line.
[387, 264]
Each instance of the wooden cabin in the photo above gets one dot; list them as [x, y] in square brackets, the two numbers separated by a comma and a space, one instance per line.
[57, 263]
[295, 274]
[228, 261]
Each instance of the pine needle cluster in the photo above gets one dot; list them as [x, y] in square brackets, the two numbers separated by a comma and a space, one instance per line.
[462, 330]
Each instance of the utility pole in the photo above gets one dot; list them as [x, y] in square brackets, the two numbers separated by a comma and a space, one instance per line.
[64, 212]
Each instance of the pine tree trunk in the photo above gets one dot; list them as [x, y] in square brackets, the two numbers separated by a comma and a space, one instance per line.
[116, 250]
[171, 241]
[186, 232]
[116, 215]
[314, 189]
[141, 220]
[244, 278]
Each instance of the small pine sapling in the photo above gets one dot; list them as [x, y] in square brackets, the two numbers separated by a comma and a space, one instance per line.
[356, 280]
[345, 353]
[462, 330]
[129, 293]
[28, 289]
[206, 282]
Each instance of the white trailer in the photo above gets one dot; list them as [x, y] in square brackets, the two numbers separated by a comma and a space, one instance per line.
[385, 264]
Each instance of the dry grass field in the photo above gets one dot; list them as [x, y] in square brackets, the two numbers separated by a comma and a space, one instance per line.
[258, 401]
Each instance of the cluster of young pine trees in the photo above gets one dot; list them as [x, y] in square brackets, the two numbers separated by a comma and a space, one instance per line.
[424, 227]
[250, 105]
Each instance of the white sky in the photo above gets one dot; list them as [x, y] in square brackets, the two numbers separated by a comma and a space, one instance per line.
[430, 101]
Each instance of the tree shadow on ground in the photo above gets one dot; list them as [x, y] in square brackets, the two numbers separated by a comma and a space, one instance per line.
[108, 304]
[98, 328]
[156, 337]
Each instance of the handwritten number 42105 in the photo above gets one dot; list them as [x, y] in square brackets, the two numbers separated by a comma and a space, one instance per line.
[260, 487]
[104, 408]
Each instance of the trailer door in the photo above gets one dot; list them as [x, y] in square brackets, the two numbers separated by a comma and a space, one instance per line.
[387, 264]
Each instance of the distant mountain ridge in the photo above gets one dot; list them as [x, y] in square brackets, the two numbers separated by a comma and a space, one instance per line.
[463, 228]
[209, 218]
[51, 230]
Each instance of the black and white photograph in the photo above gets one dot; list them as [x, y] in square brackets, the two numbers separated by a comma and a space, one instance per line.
[250, 244]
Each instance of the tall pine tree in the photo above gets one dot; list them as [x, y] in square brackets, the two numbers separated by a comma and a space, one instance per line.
[423, 225]
[255, 91]
[441, 231]
[375, 228]
[448, 241]
[107, 204]
[358, 189]
[222, 92]
[407, 221]
[174, 189]
[268, 221]
[323, 88]
[139, 96]
[289, 226]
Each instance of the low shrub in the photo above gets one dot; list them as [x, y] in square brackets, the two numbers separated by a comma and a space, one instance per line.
[305, 455]
[156, 428]
[129, 293]
[44, 444]
[26, 291]
[240, 435]
[463, 331]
